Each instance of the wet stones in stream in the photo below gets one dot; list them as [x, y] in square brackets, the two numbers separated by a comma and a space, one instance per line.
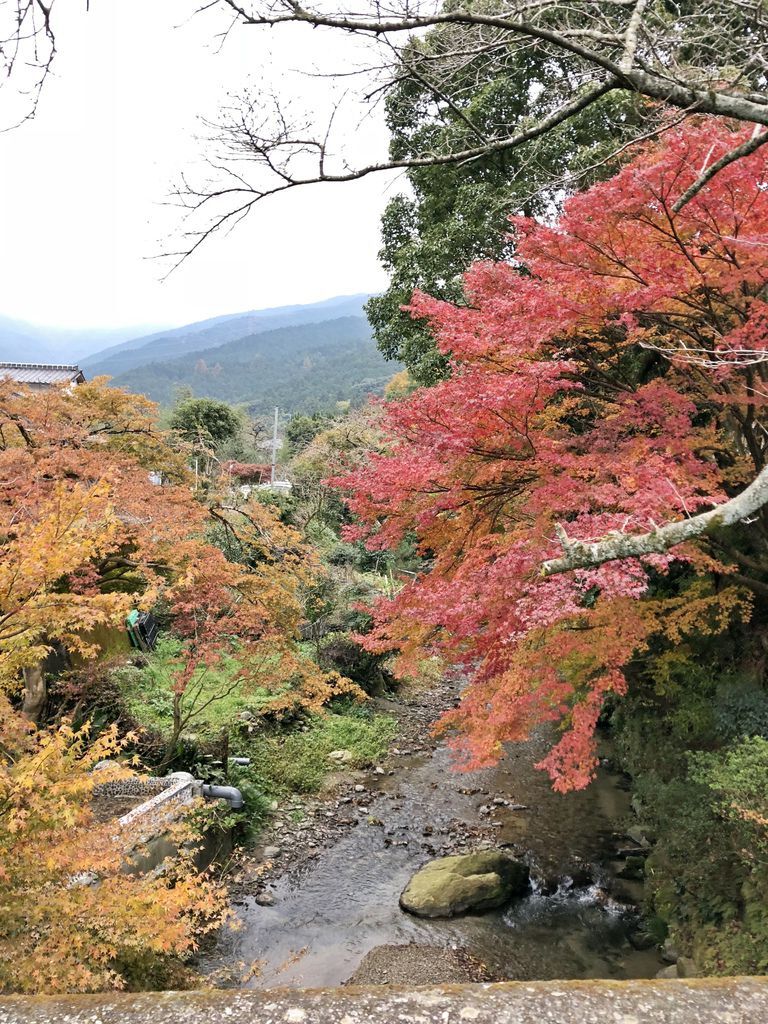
[417, 964]
[345, 856]
[305, 826]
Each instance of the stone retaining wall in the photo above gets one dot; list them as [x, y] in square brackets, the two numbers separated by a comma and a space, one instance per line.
[700, 1001]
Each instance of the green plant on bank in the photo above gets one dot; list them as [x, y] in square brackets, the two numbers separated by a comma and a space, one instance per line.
[285, 758]
[694, 736]
[257, 801]
[707, 876]
[148, 693]
[298, 762]
[292, 761]
[339, 651]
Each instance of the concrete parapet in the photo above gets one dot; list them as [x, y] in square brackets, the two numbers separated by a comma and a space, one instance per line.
[700, 1001]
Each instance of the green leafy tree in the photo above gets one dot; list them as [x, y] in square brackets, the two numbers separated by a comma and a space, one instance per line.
[303, 429]
[205, 421]
[457, 213]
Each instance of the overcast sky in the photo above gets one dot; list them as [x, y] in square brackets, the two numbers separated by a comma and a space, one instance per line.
[82, 185]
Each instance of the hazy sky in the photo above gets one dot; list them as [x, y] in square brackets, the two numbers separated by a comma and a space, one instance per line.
[82, 186]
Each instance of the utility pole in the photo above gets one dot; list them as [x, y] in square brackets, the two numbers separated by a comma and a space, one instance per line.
[274, 449]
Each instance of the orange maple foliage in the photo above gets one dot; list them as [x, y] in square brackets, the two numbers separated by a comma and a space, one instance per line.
[86, 536]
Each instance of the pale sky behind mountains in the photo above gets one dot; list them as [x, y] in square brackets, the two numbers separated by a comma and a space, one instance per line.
[82, 186]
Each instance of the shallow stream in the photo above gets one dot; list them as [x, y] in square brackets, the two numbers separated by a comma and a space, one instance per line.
[332, 910]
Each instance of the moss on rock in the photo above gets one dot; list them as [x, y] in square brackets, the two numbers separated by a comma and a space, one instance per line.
[470, 882]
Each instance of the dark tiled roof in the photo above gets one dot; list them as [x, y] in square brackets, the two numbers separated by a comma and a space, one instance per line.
[42, 373]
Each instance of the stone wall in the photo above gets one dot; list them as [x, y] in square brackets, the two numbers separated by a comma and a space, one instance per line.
[701, 1001]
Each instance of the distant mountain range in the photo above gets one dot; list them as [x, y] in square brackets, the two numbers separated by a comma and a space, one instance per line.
[215, 332]
[306, 368]
[300, 358]
[22, 342]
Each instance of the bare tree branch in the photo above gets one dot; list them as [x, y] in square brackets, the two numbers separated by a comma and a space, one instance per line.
[661, 84]
[711, 60]
[27, 51]
[278, 153]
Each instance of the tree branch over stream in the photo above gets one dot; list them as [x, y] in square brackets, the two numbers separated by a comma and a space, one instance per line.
[578, 554]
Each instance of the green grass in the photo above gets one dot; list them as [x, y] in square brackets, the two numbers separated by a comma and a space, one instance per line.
[148, 695]
[298, 761]
[284, 759]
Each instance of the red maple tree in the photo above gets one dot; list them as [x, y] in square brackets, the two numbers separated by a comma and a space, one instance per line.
[610, 380]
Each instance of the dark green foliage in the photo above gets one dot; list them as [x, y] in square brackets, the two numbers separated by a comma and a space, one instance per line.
[256, 800]
[458, 213]
[301, 429]
[357, 556]
[692, 734]
[305, 369]
[206, 420]
[741, 709]
[708, 874]
[692, 879]
[254, 788]
[339, 651]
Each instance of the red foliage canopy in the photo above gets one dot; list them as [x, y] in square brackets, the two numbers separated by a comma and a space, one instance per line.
[247, 472]
[610, 380]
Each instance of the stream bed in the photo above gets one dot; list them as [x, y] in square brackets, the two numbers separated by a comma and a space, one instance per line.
[337, 909]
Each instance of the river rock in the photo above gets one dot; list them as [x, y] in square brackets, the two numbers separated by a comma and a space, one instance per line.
[340, 756]
[634, 868]
[686, 968]
[472, 881]
[643, 835]
[667, 972]
[641, 939]
[670, 952]
[418, 964]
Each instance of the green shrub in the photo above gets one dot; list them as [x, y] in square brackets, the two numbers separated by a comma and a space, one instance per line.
[338, 651]
[741, 709]
[256, 800]
[708, 874]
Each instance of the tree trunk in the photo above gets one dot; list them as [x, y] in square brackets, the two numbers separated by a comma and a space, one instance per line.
[35, 693]
[176, 730]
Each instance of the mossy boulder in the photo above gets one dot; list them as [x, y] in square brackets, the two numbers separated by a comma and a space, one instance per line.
[470, 882]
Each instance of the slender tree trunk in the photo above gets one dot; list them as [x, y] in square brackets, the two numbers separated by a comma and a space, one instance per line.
[173, 739]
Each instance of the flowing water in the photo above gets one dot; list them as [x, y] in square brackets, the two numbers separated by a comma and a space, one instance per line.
[334, 909]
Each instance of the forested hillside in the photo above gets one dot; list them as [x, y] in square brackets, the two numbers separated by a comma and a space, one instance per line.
[217, 331]
[300, 369]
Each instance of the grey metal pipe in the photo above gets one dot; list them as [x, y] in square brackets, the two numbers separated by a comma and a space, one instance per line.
[232, 795]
